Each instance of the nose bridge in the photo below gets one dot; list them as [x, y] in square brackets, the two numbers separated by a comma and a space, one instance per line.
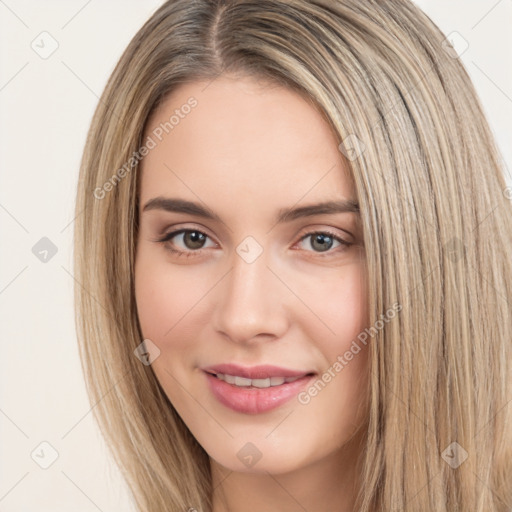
[249, 279]
[250, 302]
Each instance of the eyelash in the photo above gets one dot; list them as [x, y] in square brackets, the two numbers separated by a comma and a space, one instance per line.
[191, 253]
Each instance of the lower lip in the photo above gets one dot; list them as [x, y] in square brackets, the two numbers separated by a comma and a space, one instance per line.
[250, 400]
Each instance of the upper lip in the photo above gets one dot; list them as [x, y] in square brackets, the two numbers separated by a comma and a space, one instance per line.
[255, 372]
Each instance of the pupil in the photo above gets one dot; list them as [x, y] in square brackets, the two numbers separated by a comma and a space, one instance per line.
[322, 242]
[194, 239]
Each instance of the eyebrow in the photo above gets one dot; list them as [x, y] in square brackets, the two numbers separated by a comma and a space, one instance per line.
[284, 214]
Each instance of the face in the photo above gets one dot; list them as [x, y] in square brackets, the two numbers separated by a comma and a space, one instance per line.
[250, 274]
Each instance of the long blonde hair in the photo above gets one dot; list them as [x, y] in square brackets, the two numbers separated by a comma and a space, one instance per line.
[437, 231]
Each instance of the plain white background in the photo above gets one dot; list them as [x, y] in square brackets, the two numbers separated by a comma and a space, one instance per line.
[46, 106]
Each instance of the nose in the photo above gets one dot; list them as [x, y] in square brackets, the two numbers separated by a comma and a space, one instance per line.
[251, 303]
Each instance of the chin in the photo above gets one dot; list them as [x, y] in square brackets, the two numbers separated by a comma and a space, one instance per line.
[260, 458]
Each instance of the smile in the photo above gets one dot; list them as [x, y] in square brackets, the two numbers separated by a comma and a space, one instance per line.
[257, 383]
[255, 390]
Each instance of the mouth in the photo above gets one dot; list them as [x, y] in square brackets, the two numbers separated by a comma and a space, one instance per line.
[255, 390]
[244, 382]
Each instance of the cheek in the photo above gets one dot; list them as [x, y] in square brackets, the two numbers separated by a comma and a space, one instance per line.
[342, 315]
[166, 298]
[169, 309]
[340, 304]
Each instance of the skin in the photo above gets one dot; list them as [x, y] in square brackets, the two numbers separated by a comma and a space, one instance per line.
[247, 150]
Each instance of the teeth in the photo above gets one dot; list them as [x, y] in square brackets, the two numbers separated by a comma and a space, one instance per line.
[228, 378]
[257, 383]
[261, 383]
[242, 381]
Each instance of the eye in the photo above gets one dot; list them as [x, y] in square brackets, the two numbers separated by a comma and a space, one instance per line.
[191, 242]
[323, 241]
[187, 240]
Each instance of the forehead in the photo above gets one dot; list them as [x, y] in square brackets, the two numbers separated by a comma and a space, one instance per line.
[245, 138]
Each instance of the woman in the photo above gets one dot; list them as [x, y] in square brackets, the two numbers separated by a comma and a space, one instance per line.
[294, 241]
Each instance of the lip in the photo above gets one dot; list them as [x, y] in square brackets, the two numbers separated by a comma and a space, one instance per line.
[252, 400]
